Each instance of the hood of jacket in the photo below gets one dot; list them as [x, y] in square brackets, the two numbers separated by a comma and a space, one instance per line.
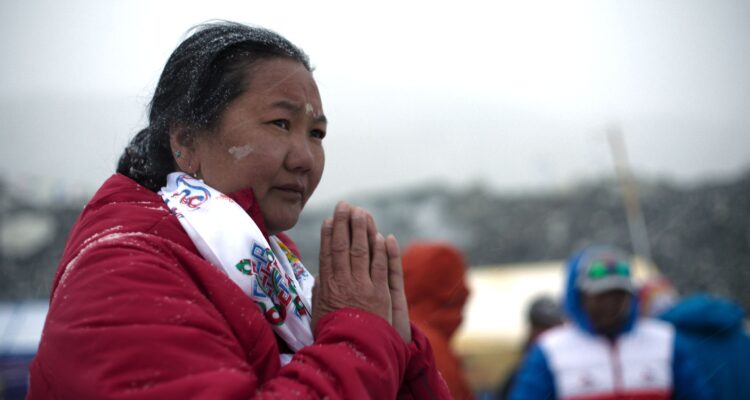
[435, 285]
[572, 304]
[706, 314]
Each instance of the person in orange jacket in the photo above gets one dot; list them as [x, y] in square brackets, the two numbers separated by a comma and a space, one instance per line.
[436, 290]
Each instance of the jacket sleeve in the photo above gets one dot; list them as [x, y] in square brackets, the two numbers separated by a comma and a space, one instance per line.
[689, 382]
[534, 379]
[422, 379]
[128, 322]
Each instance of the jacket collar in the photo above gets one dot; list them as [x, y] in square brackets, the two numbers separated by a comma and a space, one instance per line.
[118, 183]
[245, 198]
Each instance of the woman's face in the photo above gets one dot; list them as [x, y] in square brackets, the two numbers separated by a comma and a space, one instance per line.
[269, 139]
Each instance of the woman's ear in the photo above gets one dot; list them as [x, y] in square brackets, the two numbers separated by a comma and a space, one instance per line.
[182, 144]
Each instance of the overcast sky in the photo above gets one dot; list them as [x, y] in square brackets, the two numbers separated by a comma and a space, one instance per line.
[516, 95]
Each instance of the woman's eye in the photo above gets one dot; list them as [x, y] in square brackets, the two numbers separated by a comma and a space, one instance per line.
[281, 123]
[317, 133]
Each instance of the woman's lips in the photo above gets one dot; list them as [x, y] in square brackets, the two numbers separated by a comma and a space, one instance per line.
[291, 191]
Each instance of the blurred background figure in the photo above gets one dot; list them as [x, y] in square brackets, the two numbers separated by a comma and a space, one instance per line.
[606, 351]
[544, 313]
[655, 296]
[436, 290]
[714, 328]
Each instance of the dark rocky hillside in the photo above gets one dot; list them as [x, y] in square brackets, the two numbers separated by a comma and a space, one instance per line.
[699, 236]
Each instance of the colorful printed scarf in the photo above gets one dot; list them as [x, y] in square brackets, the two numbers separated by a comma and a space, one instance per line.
[226, 236]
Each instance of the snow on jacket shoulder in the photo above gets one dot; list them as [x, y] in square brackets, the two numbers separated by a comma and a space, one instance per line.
[137, 313]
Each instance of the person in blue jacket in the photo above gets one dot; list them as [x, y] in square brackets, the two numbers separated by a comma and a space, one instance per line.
[606, 351]
[715, 329]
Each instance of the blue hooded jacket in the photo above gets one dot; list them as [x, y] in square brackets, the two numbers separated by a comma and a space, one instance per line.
[713, 327]
[535, 380]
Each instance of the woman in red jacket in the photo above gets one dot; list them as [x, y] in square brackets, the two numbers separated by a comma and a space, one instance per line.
[177, 281]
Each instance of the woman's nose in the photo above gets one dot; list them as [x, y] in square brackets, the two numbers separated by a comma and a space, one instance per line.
[300, 156]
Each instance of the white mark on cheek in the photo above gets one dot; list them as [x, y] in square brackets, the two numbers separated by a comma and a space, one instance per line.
[240, 152]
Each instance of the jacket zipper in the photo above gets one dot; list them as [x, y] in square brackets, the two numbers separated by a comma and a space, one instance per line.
[616, 369]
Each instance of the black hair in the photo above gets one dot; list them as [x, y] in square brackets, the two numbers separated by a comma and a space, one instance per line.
[203, 75]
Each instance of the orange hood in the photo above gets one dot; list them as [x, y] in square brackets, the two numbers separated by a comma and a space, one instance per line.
[435, 285]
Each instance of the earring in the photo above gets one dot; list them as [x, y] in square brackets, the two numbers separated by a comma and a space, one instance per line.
[177, 154]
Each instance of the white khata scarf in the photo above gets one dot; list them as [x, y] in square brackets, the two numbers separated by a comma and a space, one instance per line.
[226, 236]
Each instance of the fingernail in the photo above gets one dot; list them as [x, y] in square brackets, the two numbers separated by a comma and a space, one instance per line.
[392, 243]
[342, 206]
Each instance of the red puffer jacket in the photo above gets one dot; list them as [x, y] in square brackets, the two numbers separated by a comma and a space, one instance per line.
[137, 313]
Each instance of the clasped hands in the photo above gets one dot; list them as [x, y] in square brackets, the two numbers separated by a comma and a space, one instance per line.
[360, 268]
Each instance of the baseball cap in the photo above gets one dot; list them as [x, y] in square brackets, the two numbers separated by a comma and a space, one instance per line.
[602, 269]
